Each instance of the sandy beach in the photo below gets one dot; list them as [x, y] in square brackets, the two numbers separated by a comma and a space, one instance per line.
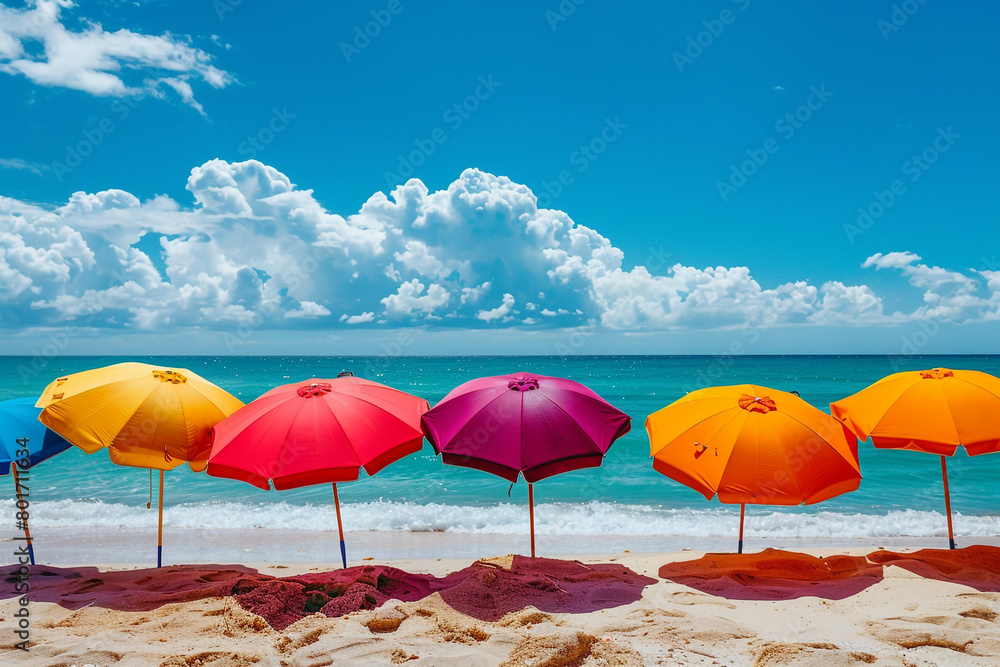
[770, 608]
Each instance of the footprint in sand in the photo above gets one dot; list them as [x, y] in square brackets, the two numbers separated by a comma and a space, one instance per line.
[688, 598]
[220, 658]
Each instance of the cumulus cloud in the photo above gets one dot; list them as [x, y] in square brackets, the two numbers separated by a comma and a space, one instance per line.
[35, 43]
[358, 319]
[501, 312]
[948, 295]
[252, 248]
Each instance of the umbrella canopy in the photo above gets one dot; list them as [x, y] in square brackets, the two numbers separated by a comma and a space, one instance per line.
[524, 424]
[316, 432]
[147, 416]
[934, 411]
[533, 425]
[750, 444]
[25, 442]
[19, 421]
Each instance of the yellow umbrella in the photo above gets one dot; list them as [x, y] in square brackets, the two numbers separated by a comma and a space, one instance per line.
[146, 416]
[934, 411]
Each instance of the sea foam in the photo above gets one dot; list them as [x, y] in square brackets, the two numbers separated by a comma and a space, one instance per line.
[594, 518]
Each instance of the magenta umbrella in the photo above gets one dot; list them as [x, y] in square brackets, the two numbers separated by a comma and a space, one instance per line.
[533, 425]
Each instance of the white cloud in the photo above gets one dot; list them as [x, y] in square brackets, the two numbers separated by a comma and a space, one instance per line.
[358, 319]
[308, 310]
[890, 260]
[18, 163]
[948, 295]
[843, 304]
[96, 61]
[252, 248]
[410, 302]
[501, 312]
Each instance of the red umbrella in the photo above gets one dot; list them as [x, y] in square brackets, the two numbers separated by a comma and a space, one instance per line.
[532, 425]
[317, 432]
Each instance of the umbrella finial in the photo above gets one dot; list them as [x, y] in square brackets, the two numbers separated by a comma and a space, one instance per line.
[172, 377]
[757, 403]
[314, 389]
[524, 384]
[937, 374]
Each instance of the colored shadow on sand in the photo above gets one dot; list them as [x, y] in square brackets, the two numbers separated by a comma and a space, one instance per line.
[783, 575]
[125, 590]
[975, 566]
[486, 590]
[775, 575]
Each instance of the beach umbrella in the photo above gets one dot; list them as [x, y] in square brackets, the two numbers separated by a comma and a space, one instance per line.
[317, 432]
[146, 416]
[24, 443]
[748, 444]
[934, 411]
[524, 424]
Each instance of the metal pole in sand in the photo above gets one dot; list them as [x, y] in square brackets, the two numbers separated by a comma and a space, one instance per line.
[743, 509]
[21, 504]
[531, 516]
[159, 537]
[947, 502]
[340, 526]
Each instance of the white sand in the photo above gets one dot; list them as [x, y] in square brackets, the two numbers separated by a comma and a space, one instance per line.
[901, 620]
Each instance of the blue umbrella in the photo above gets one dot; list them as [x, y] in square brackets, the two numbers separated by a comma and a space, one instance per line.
[25, 440]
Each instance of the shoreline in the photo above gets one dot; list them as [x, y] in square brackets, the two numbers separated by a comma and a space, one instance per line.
[94, 546]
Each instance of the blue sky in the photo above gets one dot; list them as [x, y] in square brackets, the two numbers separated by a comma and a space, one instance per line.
[179, 176]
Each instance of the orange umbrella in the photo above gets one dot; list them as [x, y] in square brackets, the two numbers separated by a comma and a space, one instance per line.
[933, 411]
[751, 444]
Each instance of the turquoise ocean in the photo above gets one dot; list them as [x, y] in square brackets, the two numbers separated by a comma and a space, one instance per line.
[901, 494]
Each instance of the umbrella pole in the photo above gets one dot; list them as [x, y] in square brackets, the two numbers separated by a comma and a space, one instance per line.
[947, 502]
[159, 536]
[340, 526]
[20, 504]
[531, 516]
[743, 510]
